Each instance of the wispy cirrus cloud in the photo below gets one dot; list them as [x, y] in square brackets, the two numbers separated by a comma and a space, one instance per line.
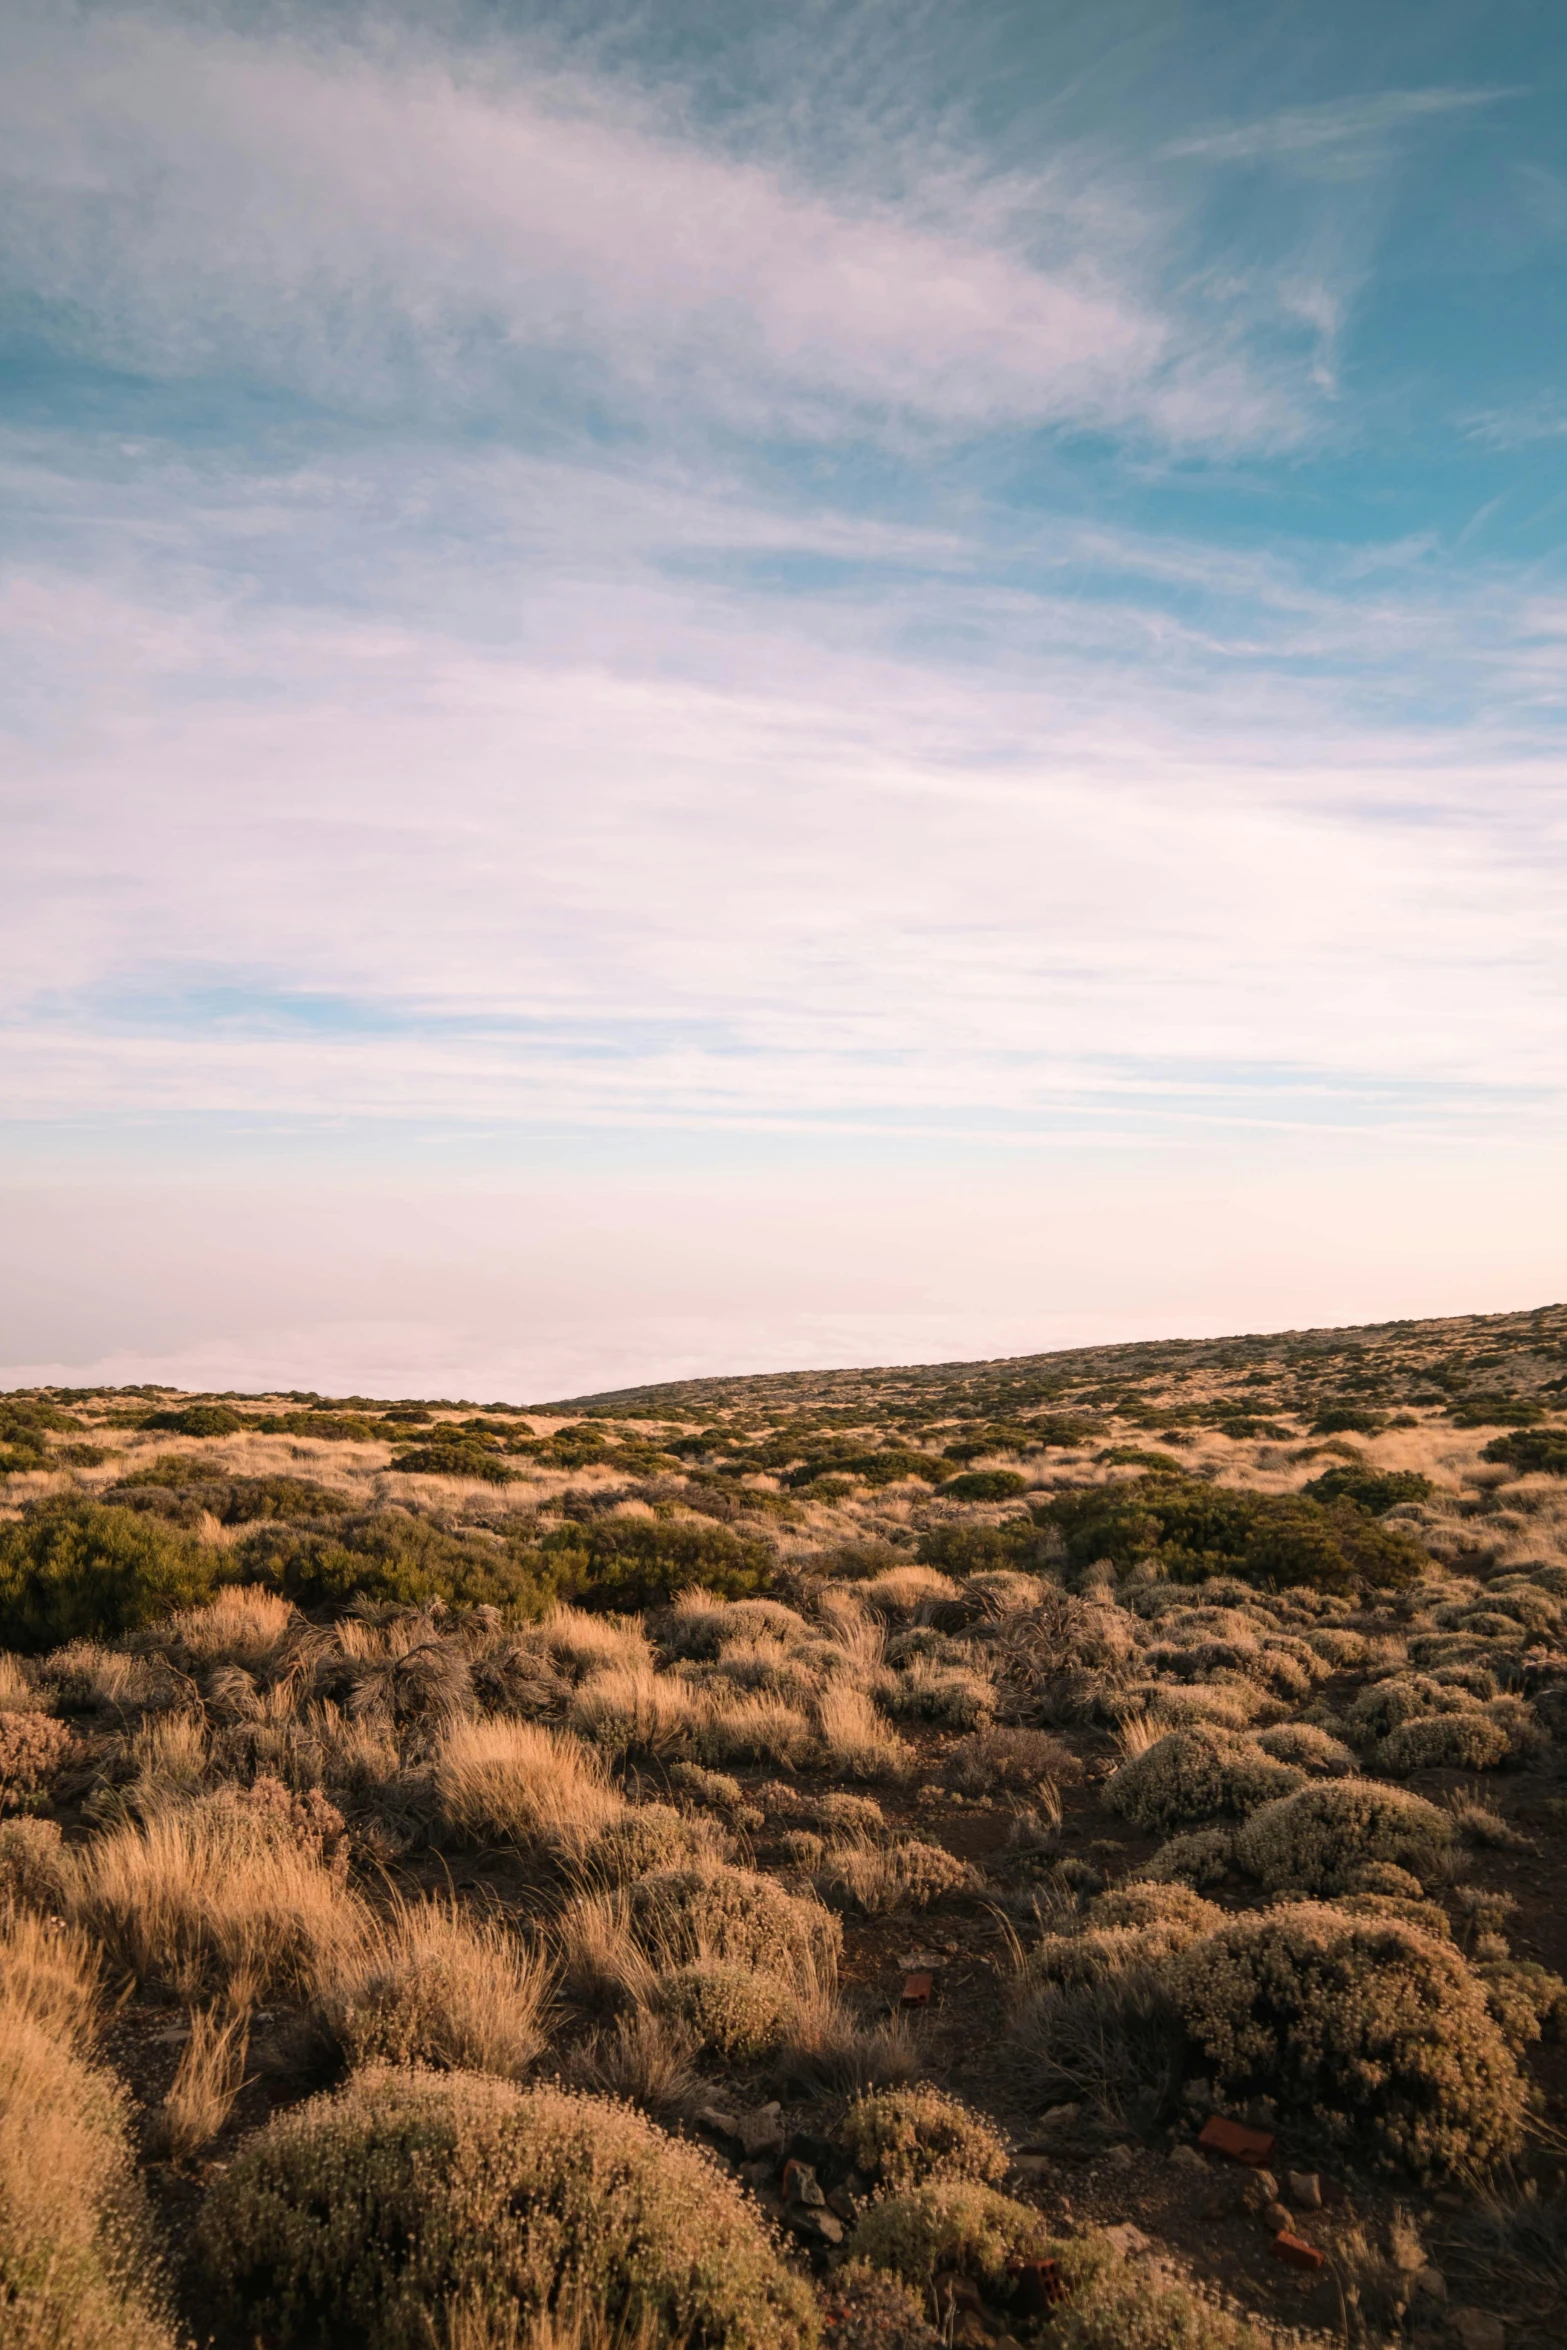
[377, 225]
[1352, 131]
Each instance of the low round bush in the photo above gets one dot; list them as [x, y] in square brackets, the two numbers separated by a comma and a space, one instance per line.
[685, 1916]
[1318, 1840]
[734, 2009]
[1380, 2032]
[902, 2138]
[984, 1485]
[1444, 1742]
[949, 2224]
[1191, 1774]
[358, 2220]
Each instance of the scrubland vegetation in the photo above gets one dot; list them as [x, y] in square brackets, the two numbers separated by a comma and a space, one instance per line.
[792, 1861]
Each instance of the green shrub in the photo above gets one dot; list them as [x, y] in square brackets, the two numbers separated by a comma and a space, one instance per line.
[1317, 1841]
[949, 2224]
[1348, 1419]
[456, 1456]
[72, 1569]
[35, 1865]
[199, 1419]
[1197, 1530]
[901, 2138]
[1379, 2032]
[984, 1485]
[1533, 1452]
[962, 1550]
[689, 1915]
[361, 2218]
[1191, 1774]
[889, 1466]
[1373, 1490]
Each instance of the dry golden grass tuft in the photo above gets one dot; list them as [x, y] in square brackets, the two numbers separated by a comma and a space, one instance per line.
[212, 1897]
[77, 2267]
[541, 1789]
[426, 1984]
[208, 2081]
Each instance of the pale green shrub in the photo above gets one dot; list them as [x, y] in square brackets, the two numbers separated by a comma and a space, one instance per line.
[1527, 2000]
[739, 2011]
[878, 1878]
[955, 1695]
[364, 2216]
[1203, 1856]
[1446, 1742]
[1191, 1774]
[850, 1815]
[1307, 1747]
[1168, 1914]
[653, 1836]
[1380, 2032]
[900, 2138]
[684, 1916]
[36, 1865]
[1112, 2303]
[949, 2224]
[1405, 1697]
[1317, 1840]
[1017, 1762]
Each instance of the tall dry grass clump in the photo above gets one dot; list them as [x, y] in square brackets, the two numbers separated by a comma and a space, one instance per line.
[371, 2215]
[77, 2266]
[541, 1789]
[208, 2081]
[426, 1984]
[216, 1897]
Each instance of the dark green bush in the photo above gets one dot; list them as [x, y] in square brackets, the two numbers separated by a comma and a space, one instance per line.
[456, 1456]
[1197, 1530]
[626, 1564]
[1373, 1490]
[198, 1419]
[1348, 1419]
[333, 1427]
[1537, 1452]
[985, 1485]
[886, 1467]
[1495, 1411]
[25, 1424]
[975, 1550]
[75, 1569]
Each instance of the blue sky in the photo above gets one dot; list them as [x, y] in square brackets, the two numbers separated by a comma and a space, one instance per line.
[705, 687]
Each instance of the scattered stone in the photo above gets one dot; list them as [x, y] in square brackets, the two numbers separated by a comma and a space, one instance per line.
[1477, 2329]
[1430, 2284]
[1122, 2155]
[1262, 2113]
[1296, 2252]
[1128, 2241]
[839, 2200]
[1306, 2190]
[1033, 2166]
[760, 2130]
[801, 2185]
[1277, 2217]
[1236, 2140]
[1261, 2189]
[1187, 2158]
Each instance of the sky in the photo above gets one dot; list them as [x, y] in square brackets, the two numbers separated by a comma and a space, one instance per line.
[712, 688]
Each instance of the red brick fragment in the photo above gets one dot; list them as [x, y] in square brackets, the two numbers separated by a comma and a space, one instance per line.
[1037, 2286]
[1238, 2140]
[1296, 2251]
[917, 1990]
